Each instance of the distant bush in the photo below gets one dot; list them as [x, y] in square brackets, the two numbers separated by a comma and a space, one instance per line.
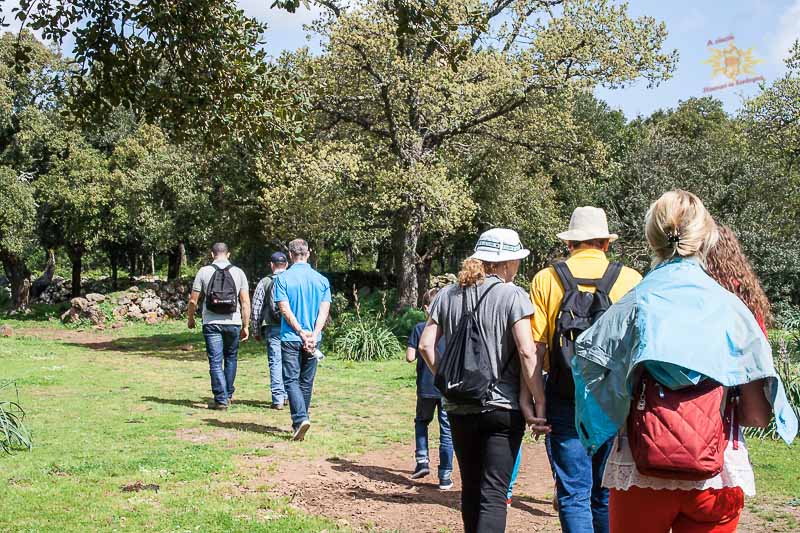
[366, 339]
[403, 322]
[13, 433]
[787, 316]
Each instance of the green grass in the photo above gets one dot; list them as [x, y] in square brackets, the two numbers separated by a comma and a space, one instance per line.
[108, 414]
[128, 406]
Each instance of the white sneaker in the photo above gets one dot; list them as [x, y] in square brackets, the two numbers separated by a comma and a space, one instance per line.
[302, 429]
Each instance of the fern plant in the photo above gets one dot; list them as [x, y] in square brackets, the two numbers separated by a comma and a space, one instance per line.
[13, 433]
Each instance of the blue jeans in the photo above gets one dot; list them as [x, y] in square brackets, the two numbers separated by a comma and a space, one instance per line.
[222, 347]
[582, 500]
[425, 410]
[514, 474]
[272, 338]
[299, 369]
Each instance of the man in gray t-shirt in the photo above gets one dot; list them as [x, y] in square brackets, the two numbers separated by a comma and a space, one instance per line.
[222, 332]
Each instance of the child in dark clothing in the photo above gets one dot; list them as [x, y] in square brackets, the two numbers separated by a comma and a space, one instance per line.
[429, 399]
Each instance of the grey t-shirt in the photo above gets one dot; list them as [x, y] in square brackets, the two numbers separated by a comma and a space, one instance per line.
[201, 282]
[502, 308]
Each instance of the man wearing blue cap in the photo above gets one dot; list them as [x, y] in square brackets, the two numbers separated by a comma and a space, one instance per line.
[266, 324]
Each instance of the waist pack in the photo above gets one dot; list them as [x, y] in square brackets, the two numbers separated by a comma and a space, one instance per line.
[465, 373]
[679, 434]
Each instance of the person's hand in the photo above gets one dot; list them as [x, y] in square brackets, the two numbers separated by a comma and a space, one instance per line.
[311, 344]
[538, 423]
[244, 334]
[190, 323]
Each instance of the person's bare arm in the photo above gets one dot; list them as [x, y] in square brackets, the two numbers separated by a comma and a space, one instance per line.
[754, 408]
[319, 325]
[427, 344]
[244, 301]
[531, 364]
[411, 355]
[192, 308]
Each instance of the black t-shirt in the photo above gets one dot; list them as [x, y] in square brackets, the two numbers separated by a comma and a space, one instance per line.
[425, 386]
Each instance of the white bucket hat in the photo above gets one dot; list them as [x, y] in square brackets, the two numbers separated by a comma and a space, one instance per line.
[586, 224]
[498, 245]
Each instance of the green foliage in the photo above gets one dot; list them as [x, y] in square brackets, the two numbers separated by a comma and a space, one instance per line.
[196, 68]
[17, 212]
[13, 433]
[366, 339]
[403, 321]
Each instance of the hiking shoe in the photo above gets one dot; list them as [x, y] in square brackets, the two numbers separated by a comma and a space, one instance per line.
[421, 470]
[445, 484]
[216, 406]
[301, 430]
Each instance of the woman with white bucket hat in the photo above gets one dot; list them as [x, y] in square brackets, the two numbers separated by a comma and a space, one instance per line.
[487, 435]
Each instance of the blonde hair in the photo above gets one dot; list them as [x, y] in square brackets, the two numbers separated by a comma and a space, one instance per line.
[679, 225]
[474, 271]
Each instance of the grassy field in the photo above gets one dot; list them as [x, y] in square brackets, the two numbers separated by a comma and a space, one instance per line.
[116, 411]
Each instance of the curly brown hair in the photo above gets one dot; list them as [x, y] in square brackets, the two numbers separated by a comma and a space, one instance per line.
[728, 265]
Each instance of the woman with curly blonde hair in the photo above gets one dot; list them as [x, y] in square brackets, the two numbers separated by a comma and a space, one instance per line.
[728, 265]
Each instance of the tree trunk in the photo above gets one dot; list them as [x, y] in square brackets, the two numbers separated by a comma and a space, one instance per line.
[132, 258]
[75, 254]
[406, 235]
[424, 267]
[152, 265]
[18, 274]
[114, 257]
[176, 257]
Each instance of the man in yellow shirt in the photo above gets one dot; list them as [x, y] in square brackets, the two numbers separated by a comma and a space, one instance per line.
[561, 314]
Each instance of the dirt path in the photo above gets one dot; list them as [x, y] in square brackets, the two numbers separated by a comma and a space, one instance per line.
[374, 491]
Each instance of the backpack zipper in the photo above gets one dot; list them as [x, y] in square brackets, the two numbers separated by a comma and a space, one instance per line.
[641, 404]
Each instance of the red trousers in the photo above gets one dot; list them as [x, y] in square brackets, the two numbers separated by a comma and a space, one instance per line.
[639, 510]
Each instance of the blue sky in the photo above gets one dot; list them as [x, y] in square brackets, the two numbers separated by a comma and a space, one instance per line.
[769, 27]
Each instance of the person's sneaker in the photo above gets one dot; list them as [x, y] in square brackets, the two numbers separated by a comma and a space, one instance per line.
[277, 406]
[301, 430]
[508, 503]
[445, 484]
[216, 406]
[421, 470]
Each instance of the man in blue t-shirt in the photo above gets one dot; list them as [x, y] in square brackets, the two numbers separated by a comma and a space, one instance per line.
[429, 399]
[303, 296]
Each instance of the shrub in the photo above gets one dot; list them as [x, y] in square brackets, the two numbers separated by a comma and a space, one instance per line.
[366, 339]
[403, 322]
[787, 316]
[13, 433]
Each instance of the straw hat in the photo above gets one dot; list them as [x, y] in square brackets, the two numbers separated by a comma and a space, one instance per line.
[586, 224]
[498, 245]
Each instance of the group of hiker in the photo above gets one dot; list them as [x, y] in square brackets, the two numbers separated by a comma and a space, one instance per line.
[639, 386]
[289, 311]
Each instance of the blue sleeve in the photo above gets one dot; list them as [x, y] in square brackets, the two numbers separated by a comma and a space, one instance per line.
[279, 290]
[326, 291]
[416, 333]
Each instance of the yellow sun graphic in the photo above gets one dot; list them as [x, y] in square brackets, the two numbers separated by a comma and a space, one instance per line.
[732, 62]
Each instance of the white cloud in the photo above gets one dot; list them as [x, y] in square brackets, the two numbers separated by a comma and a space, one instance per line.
[788, 31]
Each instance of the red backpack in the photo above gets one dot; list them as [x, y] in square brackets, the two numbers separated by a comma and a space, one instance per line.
[680, 434]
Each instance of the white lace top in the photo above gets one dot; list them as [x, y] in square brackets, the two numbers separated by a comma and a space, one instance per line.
[621, 471]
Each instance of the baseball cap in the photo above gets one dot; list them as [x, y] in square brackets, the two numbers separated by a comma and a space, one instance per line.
[278, 258]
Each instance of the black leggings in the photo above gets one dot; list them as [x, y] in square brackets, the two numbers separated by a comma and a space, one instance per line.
[486, 446]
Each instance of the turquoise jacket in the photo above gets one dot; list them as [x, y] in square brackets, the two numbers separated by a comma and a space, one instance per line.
[684, 326]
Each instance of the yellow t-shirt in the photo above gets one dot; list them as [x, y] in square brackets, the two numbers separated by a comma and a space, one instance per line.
[547, 292]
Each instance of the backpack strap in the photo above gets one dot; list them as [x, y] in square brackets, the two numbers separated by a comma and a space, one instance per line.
[606, 283]
[568, 281]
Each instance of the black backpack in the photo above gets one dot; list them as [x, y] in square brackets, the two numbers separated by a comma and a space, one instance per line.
[222, 297]
[578, 311]
[464, 374]
[269, 311]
